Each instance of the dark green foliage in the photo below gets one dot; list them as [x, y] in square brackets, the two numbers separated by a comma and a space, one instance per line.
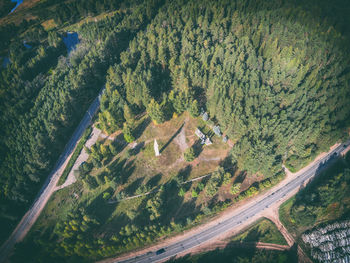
[127, 132]
[326, 199]
[5, 7]
[214, 182]
[43, 98]
[273, 75]
[194, 109]
[156, 112]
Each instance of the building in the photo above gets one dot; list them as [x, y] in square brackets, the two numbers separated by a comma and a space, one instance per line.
[204, 139]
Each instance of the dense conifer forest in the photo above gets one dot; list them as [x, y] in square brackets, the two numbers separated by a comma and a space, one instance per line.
[274, 75]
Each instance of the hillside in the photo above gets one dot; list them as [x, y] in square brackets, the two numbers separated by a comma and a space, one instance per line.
[272, 76]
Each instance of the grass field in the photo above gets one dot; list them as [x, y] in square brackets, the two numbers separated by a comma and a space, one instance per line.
[262, 231]
[126, 224]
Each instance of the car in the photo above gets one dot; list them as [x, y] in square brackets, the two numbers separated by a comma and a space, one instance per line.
[160, 251]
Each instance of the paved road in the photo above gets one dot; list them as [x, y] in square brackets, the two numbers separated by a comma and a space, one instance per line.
[48, 188]
[237, 219]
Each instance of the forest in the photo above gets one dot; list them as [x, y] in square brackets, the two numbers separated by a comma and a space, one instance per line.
[274, 75]
[5, 7]
[327, 199]
[44, 94]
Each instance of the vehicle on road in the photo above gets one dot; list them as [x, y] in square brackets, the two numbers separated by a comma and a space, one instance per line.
[160, 251]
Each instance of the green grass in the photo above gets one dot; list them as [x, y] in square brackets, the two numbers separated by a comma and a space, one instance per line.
[262, 231]
[284, 214]
[75, 156]
[234, 254]
[129, 171]
[294, 163]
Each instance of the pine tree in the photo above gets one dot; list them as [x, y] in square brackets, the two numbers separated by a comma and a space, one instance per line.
[155, 111]
[127, 132]
[128, 114]
[194, 109]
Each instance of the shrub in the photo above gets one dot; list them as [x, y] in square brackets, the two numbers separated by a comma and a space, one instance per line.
[227, 179]
[189, 154]
[181, 192]
[106, 195]
[235, 188]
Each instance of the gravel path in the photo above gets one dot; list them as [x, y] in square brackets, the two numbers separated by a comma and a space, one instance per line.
[83, 156]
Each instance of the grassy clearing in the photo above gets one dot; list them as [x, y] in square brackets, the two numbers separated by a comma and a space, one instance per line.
[126, 170]
[284, 214]
[75, 156]
[262, 231]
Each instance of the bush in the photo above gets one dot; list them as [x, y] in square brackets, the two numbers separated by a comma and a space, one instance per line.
[235, 188]
[182, 192]
[227, 179]
[128, 136]
[106, 195]
[189, 154]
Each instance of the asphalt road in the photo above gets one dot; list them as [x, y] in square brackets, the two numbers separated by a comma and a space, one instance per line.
[249, 212]
[48, 188]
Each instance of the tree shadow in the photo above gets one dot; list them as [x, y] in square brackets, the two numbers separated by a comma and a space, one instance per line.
[188, 210]
[121, 170]
[253, 235]
[127, 170]
[137, 149]
[228, 162]
[134, 185]
[142, 218]
[154, 180]
[171, 200]
[172, 138]
[184, 173]
[115, 225]
[141, 128]
[100, 209]
[240, 177]
[197, 147]
[119, 142]
[161, 80]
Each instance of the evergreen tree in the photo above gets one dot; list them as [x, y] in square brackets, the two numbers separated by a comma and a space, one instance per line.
[127, 132]
[155, 111]
[194, 109]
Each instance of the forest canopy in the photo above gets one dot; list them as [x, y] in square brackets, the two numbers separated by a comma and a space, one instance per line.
[274, 75]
